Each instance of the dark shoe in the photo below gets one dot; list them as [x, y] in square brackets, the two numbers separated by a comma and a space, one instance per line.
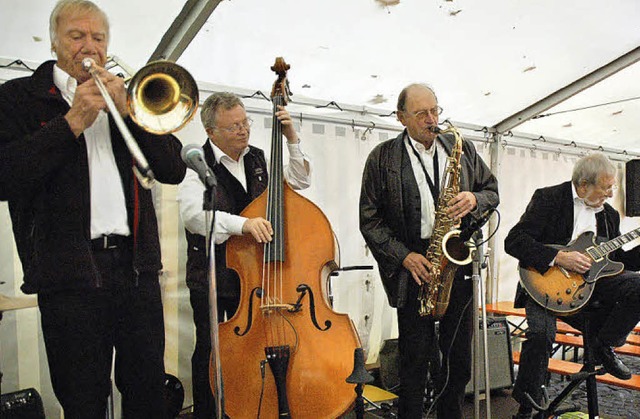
[613, 364]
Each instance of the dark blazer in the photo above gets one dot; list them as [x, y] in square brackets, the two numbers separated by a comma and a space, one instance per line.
[44, 176]
[390, 205]
[548, 219]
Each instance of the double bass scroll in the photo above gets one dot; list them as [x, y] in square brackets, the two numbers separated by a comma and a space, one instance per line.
[285, 352]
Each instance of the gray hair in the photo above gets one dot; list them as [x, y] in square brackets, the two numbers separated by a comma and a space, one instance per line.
[589, 169]
[402, 97]
[69, 6]
[218, 100]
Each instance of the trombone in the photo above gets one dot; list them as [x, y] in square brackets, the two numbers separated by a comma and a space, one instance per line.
[161, 98]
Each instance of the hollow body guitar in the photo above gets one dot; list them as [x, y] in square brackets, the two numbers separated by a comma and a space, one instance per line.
[565, 292]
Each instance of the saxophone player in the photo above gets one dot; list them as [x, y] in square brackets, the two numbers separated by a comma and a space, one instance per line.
[400, 189]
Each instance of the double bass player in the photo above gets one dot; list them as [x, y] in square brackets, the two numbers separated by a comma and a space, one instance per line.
[242, 175]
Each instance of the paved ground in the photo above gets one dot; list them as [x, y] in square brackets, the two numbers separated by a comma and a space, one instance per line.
[614, 402]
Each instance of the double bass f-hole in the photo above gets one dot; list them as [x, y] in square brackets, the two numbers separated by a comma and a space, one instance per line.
[303, 289]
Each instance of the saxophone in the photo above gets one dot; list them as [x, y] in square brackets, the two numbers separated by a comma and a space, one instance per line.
[446, 250]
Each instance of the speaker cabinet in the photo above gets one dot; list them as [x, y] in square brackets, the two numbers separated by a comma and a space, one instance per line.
[23, 404]
[500, 357]
[632, 188]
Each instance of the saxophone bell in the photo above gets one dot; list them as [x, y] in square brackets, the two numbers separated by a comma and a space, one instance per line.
[455, 249]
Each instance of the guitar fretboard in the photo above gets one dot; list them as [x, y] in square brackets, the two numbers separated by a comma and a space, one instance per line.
[600, 251]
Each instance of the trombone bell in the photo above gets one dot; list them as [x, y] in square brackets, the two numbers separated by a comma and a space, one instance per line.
[162, 97]
[158, 93]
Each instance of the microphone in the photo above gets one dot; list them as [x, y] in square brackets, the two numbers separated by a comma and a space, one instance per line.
[476, 224]
[193, 156]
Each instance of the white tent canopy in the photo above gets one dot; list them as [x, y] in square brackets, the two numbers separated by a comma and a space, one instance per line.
[486, 60]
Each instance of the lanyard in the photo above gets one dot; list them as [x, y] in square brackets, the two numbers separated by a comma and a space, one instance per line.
[434, 186]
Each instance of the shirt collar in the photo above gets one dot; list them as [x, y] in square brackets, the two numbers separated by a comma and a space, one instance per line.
[219, 154]
[421, 148]
[65, 83]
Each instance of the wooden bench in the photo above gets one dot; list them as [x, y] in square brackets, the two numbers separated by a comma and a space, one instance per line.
[576, 341]
[506, 308]
[562, 367]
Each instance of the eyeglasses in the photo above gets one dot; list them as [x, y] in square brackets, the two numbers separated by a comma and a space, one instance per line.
[611, 188]
[423, 114]
[608, 189]
[237, 127]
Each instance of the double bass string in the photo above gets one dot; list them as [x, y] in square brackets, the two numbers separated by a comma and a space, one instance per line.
[274, 251]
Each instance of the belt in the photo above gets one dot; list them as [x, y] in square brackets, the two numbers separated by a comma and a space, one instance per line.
[112, 241]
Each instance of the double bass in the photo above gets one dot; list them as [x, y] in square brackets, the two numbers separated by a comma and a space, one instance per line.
[285, 353]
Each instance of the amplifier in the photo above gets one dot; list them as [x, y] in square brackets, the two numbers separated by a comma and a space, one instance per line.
[500, 357]
[23, 404]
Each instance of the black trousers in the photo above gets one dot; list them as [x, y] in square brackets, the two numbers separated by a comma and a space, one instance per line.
[417, 339]
[82, 328]
[619, 312]
[203, 402]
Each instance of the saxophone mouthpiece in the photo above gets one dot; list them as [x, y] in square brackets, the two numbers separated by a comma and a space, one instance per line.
[435, 129]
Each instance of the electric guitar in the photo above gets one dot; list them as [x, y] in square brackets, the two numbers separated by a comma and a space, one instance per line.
[565, 292]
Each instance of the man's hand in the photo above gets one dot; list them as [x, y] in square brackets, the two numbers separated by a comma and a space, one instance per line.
[87, 103]
[419, 267]
[461, 205]
[573, 261]
[116, 89]
[287, 125]
[88, 100]
[259, 228]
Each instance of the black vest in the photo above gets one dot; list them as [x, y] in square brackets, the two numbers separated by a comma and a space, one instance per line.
[232, 198]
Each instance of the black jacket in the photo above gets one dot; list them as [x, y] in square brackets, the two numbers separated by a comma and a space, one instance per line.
[390, 204]
[548, 219]
[44, 176]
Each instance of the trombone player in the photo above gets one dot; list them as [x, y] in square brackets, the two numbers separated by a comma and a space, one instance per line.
[86, 232]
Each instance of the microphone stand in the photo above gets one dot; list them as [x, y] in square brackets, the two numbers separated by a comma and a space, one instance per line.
[479, 297]
[208, 205]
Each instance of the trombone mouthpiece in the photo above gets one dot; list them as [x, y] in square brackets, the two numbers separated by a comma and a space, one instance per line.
[88, 63]
[435, 130]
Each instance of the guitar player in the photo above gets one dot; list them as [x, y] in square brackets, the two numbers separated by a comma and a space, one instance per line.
[558, 215]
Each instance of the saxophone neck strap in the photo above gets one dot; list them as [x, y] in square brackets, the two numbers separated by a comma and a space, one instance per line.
[434, 185]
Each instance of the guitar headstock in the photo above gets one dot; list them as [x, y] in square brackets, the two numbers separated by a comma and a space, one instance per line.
[281, 85]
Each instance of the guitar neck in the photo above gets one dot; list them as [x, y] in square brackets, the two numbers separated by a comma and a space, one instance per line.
[614, 244]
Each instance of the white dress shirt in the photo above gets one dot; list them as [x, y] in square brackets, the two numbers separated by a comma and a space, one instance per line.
[584, 216]
[108, 208]
[427, 206]
[191, 190]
